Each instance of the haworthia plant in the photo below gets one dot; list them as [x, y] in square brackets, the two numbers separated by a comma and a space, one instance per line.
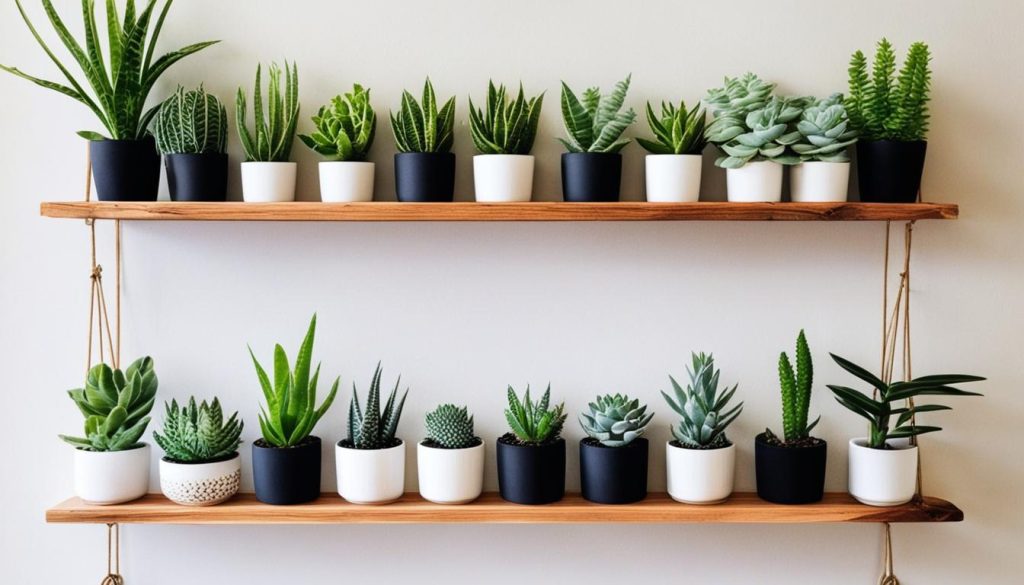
[796, 392]
[451, 427]
[116, 406]
[595, 122]
[887, 106]
[272, 136]
[677, 131]
[702, 407]
[345, 129]
[191, 122]
[370, 427]
[198, 434]
[615, 420]
[420, 126]
[825, 132]
[534, 423]
[505, 127]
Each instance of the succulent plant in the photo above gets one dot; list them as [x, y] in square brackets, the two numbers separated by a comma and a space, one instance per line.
[191, 122]
[420, 127]
[796, 393]
[595, 123]
[451, 427]
[887, 106]
[534, 423]
[369, 427]
[738, 96]
[615, 420]
[198, 434]
[679, 131]
[702, 407]
[116, 406]
[505, 127]
[345, 129]
[825, 132]
[273, 135]
[761, 134]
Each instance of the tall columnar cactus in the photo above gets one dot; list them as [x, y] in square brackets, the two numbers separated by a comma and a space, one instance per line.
[345, 129]
[273, 135]
[420, 126]
[534, 423]
[198, 434]
[191, 122]
[505, 127]
[796, 392]
[595, 122]
[451, 427]
[615, 420]
[702, 407]
[886, 106]
[678, 131]
[825, 132]
[369, 427]
[116, 406]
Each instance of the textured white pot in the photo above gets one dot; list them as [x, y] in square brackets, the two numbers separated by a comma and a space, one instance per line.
[112, 477]
[268, 182]
[673, 178]
[700, 476]
[755, 182]
[370, 476]
[882, 477]
[818, 181]
[451, 476]
[502, 178]
[200, 484]
[346, 181]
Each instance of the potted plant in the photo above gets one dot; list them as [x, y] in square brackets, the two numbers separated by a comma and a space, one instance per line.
[883, 466]
[674, 165]
[111, 464]
[592, 169]
[286, 460]
[823, 173]
[201, 465]
[504, 135]
[344, 134]
[191, 130]
[701, 461]
[451, 458]
[371, 462]
[791, 469]
[268, 175]
[613, 457]
[891, 113]
[424, 164]
[531, 458]
[125, 164]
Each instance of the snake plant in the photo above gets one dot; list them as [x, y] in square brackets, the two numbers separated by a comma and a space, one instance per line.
[191, 122]
[533, 423]
[271, 140]
[420, 126]
[198, 434]
[370, 427]
[116, 406]
[595, 122]
[702, 407]
[451, 427]
[344, 129]
[615, 420]
[505, 127]
[825, 132]
[888, 106]
[677, 131]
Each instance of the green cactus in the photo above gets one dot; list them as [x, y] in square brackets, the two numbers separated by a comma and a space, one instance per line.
[595, 123]
[421, 127]
[825, 133]
[369, 427]
[198, 434]
[272, 138]
[534, 423]
[702, 407]
[615, 420]
[191, 122]
[451, 427]
[796, 393]
[887, 106]
[679, 131]
[505, 127]
[116, 406]
[346, 128]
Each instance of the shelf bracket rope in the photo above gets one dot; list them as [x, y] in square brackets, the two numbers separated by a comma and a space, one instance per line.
[113, 556]
[888, 577]
[99, 316]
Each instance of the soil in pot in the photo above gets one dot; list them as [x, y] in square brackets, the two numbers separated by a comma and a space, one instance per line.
[425, 176]
[613, 475]
[790, 473]
[591, 176]
[889, 171]
[125, 170]
[197, 177]
[286, 475]
[531, 474]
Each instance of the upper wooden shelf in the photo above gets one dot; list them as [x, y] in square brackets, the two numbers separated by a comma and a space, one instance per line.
[491, 509]
[468, 211]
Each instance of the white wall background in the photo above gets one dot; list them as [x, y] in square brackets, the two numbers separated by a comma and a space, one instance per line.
[462, 310]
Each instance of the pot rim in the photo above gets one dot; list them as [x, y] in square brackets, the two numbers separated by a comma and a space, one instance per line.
[755, 162]
[861, 443]
[548, 445]
[165, 460]
[428, 154]
[505, 155]
[400, 445]
[635, 443]
[649, 155]
[479, 445]
[347, 162]
[268, 162]
[140, 446]
[731, 445]
[597, 154]
[760, 440]
[865, 141]
[315, 441]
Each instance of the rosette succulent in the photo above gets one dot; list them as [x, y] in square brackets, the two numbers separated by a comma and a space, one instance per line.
[534, 423]
[345, 128]
[678, 131]
[198, 434]
[116, 406]
[702, 407]
[738, 96]
[761, 134]
[615, 420]
[825, 132]
[451, 427]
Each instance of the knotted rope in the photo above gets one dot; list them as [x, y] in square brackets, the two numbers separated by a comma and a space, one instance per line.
[888, 577]
[113, 556]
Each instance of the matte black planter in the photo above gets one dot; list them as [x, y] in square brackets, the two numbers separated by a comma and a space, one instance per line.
[789, 475]
[425, 176]
[591, 176]
[531, 474]
[125, 170]
[889, 171]
[286, 475]
[613, 475]
[197, 177]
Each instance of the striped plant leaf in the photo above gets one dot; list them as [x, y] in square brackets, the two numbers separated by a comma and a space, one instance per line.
[421, 127]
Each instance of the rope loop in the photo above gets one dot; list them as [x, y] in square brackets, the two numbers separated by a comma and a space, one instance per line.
[113, 556]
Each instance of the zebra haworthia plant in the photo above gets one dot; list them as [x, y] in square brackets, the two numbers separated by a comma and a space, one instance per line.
[595, 122]
[451, 427]
[534, 423]
[191, 122]
[505, 127]
[345, 128]
[702, 407]
[420, 126]
[198, 434]
[825, 132]
[370, 427]
[272, 136]
[887, 106]
[615, 420]
[677, 131]
[116, 406]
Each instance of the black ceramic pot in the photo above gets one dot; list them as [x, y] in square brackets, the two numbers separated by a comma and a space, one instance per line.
[591, 176]
[125, 170]
[889, 171]
[531, 474]
[197, 177]
[425, 176]
[613, 475]
[286, 475]
[789, 475]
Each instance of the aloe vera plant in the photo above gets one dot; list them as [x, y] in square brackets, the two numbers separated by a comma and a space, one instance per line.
[534, 423]
[677, 131]
[116, 406]
[595, 122]
[505, 127]
[420, 126]
[273, 135]
[191, 122]
[887, 106]
[345, 128]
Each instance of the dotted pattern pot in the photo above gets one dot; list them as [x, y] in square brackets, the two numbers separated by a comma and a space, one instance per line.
[200, 484]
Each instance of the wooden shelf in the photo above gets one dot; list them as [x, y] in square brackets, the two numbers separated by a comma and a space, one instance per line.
[491, 509]
[533, 211]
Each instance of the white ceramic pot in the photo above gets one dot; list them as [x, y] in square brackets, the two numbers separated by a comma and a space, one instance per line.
[673, 178]
[346, 181]
[502, 178]
[883, 477]
[451, 476]
[819, 182]
[755, 182]
[112, 477]
[268, 182]
[700, 476]
[371, 476]
[200, 484]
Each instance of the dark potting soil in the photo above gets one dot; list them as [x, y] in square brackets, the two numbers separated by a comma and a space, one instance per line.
[265, 445]
[511, 439]
[435, 445]
[347, 444]
[772, 439]
[676, 443]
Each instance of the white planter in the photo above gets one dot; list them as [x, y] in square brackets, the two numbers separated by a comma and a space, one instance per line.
[882, 477]
[346, 181]
[755, 182]
[112, 477]
[200, 484]
[700, 476]
[502, 178]
[820, 182]
[451, 476]
[371, 476]
[673, 178]
[268, 182]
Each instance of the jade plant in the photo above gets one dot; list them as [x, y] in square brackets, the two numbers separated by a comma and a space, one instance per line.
[677, 131]
[534, 423]
[825, 132]
[451, 427]
[191, 122]
[116, 406]
[272, 135]
[420, 126]
[370, 427]
[615, 420]
[887, 106]
[796, 384]
[703, 408]
[505, 126]
[595, 122]
[345, 128]
[198, 434]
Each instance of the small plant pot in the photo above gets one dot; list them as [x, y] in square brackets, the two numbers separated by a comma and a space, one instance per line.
[197, 177]
[673, 178]
[268, 182]
[450, 476]
[286, 475]
[502, 178]
[112, 477]
[819, 182]
[889, 171]
[531, 474]
[700, 476]
[789, 475]
[201, 484]
[613, 475]
[125, 170]
[423, 177]
[370, 476]
[882, 477]
[755, 182]
[346, 181]
[591, 176]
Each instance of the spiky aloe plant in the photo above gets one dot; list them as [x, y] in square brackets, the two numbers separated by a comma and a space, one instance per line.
[678, 131]
[198, 434]
[534, 423]
[272, 136]
[451, 427]
[595, 122]
[702, 407]
[345, 129]
[369, 427]
[116, 406]
[615, 420]
[825, 132]
[886, 106]
[505, 127]
[191, 122]
[421, 127]
[796, 393]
